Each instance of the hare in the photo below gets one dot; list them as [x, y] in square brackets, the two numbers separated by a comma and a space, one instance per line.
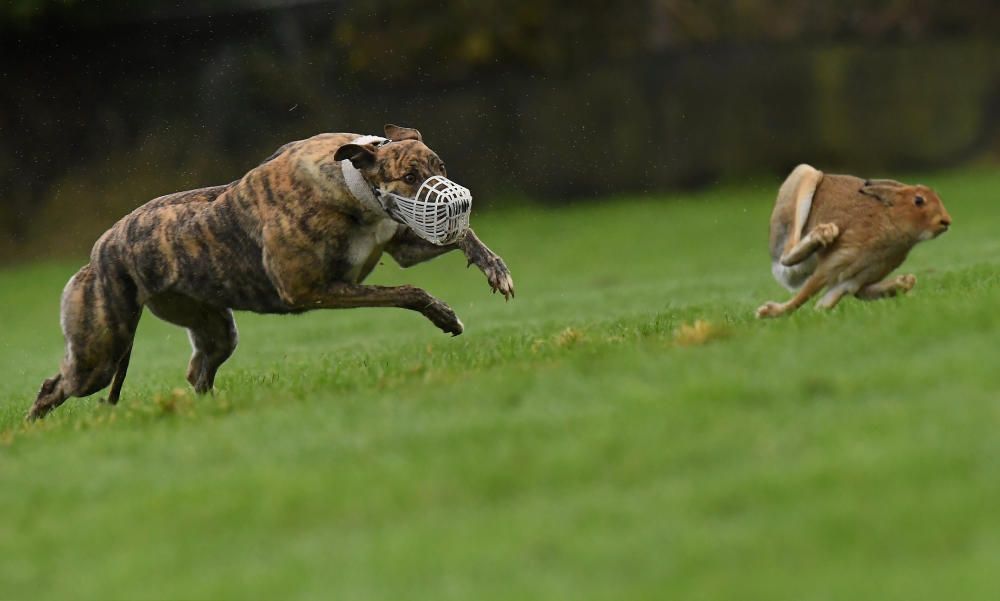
[846, 234]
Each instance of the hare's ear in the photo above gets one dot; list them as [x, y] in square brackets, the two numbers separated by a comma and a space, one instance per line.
[397, 133]
[360, 156]
[885, 190]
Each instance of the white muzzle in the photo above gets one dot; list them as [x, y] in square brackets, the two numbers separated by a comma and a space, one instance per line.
[438, 213]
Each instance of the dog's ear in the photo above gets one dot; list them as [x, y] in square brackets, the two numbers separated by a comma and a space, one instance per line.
[397, 133]
[360, 156]
[885, 190]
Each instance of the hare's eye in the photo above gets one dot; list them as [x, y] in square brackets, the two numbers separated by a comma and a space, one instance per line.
[919, 201]
[410, 178]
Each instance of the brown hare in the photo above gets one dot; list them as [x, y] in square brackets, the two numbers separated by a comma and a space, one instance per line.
[846, 234]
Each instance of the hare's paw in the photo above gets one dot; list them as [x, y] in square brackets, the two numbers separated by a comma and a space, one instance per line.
[826, 233]
[906, 282]
[770, 309]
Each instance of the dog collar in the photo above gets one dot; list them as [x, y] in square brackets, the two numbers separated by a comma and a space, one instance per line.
[360, 188]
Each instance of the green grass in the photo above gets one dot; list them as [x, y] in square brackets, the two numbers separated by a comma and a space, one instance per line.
[567, 446]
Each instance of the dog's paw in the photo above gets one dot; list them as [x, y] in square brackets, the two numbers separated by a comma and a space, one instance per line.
[443, 317]
[492, 266]
[37, 412]
[498, 276]
[769, 309]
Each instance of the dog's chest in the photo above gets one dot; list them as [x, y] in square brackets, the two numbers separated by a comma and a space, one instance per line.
[366, 245]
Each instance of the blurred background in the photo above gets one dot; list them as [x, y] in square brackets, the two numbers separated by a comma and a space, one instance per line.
[105, 105]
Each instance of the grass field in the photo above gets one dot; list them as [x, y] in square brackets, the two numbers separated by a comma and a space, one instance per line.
[575, 443]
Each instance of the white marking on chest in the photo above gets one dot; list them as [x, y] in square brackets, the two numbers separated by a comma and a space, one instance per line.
[367, 240]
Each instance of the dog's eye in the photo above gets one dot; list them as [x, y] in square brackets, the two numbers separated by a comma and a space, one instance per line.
[410, 178]
[919, 201]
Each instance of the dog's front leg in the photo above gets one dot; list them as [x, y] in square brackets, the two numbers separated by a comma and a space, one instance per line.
[409, 249]
[489, 263]
[297, 274]
[352, 296]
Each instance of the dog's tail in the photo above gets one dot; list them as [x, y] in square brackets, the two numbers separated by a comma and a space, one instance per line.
[116, 384]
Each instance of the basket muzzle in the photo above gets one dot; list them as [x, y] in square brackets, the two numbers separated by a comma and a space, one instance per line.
[438, 212]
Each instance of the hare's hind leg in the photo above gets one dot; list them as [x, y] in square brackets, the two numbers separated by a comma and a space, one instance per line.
[793, 268]
[900, 284]
[822, 235]
[798, 190]
[813, 285]
[792, 262]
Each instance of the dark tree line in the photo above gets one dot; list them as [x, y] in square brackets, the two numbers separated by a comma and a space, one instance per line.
[106, 104]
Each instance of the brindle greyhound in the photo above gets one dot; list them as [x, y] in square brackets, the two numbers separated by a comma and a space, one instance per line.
[287, 237]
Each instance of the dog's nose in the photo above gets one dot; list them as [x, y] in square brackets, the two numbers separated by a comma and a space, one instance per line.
[946, 222]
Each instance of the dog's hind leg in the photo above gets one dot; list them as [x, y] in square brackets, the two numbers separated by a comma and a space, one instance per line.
[98, 322]
[52, 394]
[214, 340]
[211, 330]
[116, 384]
